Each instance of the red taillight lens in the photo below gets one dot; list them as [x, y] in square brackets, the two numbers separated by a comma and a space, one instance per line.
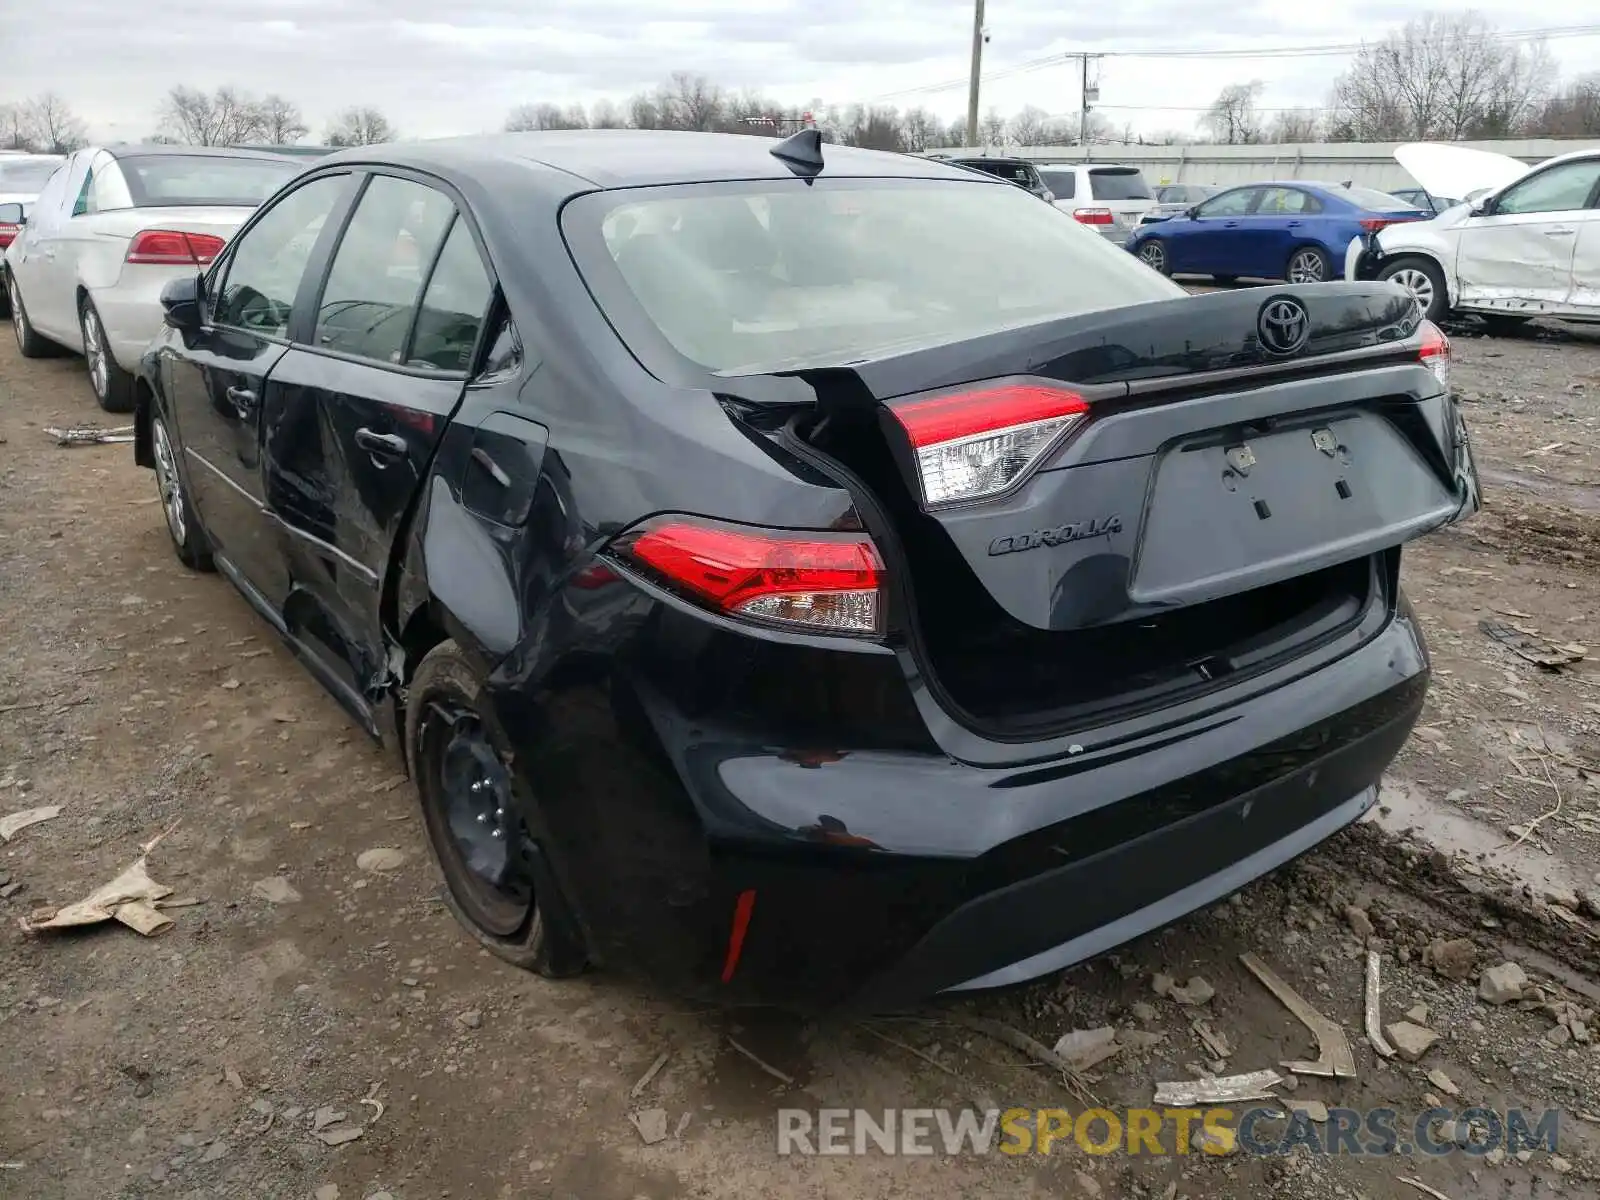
[1093, 216]
[8, 234]
[1435, 352]
[822, 582]
[171, 248]
[975, 444]
[1373, 224]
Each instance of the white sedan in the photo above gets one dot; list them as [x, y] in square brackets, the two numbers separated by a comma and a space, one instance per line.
[108, 230]
[1525, 243]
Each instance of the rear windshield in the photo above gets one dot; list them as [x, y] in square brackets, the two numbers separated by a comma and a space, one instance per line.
[25, 176]
[1061, 183]
[1375, 201]
[158, 180]
[747, 278]
[1118, 183]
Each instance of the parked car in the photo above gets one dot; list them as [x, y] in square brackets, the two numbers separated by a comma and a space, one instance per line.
[1108, 198]
[22, 177]
[1013, 170]
[111, 226]
[1295, 230]
[1174, 199]
[1527, 244]
[804, 574]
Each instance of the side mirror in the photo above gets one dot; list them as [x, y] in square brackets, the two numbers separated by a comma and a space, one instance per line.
[12, 214]
[180, 302]
[1479, 204]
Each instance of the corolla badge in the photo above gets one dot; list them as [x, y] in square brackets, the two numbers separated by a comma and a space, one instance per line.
[1059, 536]
[1283, 326]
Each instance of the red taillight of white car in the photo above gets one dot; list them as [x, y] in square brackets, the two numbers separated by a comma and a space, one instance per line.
[173, 248]
[829, 583]
[1435, 352]
[979, 442]
[1093, 216]
[8, 233]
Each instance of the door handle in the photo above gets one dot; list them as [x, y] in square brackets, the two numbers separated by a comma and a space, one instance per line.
[242, 399]
[381, 445]
[1291, 224]
[1559, 232]
[1230, 224]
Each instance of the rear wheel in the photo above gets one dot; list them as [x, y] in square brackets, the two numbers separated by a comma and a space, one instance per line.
[29, 343]
[1309, 264]
[1153, 254]
[1424, 280]
[490, 863]
[113, 387]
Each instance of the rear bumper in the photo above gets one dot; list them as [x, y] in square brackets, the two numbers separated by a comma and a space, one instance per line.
[130, 310]
[879, 877]
[1362, 258]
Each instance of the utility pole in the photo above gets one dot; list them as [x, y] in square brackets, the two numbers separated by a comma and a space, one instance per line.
[977, 67]
[1088, 94]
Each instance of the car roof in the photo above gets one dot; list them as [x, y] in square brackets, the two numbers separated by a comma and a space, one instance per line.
[147, 150]
[620, 158]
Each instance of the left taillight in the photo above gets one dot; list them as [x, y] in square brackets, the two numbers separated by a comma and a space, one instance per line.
[8, 233]
[1093, 216]
[976, 443]
[821, 582]
[173, 248]
[1435, 352]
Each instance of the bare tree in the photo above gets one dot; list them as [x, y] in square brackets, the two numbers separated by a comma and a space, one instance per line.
[281, 121]
[16, 128]
[921, 130]
[1442, 76]
[873, 127]
[546, 116]
[645, 113]
[360, 126]
[56, 128]
[1295, 125]
[226, 117]
[992, 129]
[604, 114]
[1027, 127]
[692, 102]
[1575, 111]
[1232, 118]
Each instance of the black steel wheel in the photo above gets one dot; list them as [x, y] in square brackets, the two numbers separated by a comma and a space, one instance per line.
[495, 879]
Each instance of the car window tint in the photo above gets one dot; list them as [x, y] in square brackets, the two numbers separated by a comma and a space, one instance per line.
[84, 204]
[505, 349]
[1118, 183]
[108, 192]
[1560, 189]
[1230, 204]
[377, 271]
[453, 307]
[1064, 184]
[268, 259]
[1277, 202]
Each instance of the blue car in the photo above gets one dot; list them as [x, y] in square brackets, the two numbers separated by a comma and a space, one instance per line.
[1296, 231]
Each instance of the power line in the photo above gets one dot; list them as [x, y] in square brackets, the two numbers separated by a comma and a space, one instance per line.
[1336, 50]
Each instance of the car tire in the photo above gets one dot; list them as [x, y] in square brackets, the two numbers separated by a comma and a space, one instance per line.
[457, 767]
[1308, 264]
[112, 386]
[1424, 279]
[1502, 324]
[29, 343]
[1153, 254]
[189, 539]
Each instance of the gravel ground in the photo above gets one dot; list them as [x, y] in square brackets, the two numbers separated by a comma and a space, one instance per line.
[194, 1063]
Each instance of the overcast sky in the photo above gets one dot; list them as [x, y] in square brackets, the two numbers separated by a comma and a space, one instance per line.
[454, 68]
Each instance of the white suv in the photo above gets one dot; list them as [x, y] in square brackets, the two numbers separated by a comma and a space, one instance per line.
[1109, 199]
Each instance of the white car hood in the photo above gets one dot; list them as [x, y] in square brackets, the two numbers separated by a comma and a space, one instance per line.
[1457, 171]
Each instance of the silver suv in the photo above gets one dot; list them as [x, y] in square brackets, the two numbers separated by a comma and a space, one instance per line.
[1108, 198]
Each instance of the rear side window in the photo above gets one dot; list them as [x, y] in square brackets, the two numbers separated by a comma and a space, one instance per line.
[757, 277]
[1277, 202]
[1373, 200]
[165, 180]
[266, 262]
[1118, 183]
[1062, 184]
[372, 290]
[453, 307]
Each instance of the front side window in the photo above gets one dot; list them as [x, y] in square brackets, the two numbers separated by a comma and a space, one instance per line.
[372, 290]
[454, 306]
[748, 278]
[268, 260]
[1560, 189]
[1230, 204]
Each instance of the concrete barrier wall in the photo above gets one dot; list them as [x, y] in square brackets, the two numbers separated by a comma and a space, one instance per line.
[1370, 163]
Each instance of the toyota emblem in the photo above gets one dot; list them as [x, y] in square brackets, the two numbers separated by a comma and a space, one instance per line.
[1283, 327]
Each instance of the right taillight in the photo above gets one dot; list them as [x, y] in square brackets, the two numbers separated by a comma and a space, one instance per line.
[820, 582]
[979, 442]
[173, 248]
[1435, 352]
[8, 233]
[1093, 216]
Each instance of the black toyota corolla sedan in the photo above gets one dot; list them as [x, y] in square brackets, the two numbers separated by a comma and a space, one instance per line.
[802, 574]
